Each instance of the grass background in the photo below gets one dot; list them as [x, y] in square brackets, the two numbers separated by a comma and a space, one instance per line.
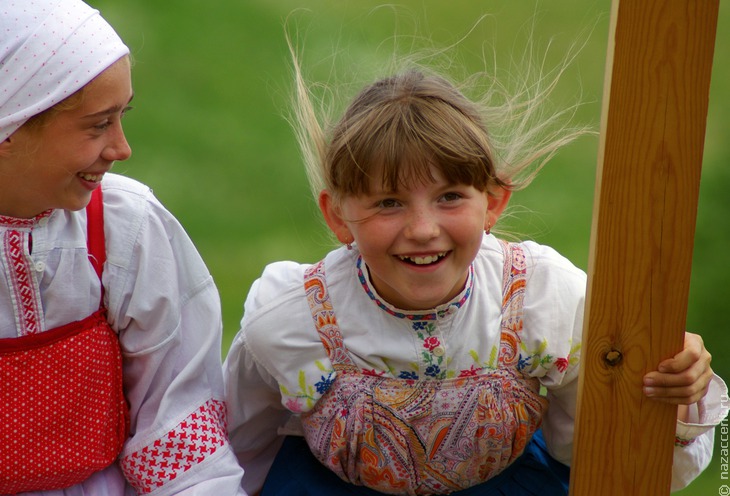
[208, 133]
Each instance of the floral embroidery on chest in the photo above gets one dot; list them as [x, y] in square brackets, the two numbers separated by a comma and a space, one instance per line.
[426, 329]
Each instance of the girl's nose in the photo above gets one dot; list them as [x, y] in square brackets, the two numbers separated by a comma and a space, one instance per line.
[422, 226]
[118, 148]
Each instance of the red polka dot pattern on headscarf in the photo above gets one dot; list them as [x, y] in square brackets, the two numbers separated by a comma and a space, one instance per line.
[49, 49]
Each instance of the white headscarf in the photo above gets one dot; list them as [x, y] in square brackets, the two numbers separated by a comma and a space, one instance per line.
[49, 49]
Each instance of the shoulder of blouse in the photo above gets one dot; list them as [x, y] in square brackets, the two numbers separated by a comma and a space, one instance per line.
[125, 207]
[126, 190]
[277, 319]
[548, 258]
[277, 303]
[139, 229]
[282, 282]
[552, 276]
[553, 284]
[128, 206]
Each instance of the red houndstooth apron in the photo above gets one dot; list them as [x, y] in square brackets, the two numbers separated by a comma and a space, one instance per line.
[415, 437]
[63, 415]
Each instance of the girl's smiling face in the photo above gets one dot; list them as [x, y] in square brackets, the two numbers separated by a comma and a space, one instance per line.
[418, 242]
[60, 162]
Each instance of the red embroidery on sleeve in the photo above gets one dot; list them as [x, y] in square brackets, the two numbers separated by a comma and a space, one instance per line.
[682, 442]
[198, 436]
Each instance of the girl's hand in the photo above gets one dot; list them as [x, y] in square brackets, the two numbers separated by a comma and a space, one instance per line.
[684, 378]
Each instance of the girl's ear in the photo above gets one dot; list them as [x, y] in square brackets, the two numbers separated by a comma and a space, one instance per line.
[333, 216]
[497, 200]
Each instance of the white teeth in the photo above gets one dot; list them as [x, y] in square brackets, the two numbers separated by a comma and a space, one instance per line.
[94, 178]
[425, 260]
[428, 259]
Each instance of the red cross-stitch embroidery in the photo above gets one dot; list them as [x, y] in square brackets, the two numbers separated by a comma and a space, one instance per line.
[20, 275]
[195, 438]
[15, 222]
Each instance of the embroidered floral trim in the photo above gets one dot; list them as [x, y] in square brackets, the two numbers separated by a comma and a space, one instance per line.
[194, 439]
[438, 314]
[433, 351]
[304, 398]
[535, 359]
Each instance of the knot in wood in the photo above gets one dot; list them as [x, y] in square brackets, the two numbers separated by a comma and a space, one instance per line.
[613, 357]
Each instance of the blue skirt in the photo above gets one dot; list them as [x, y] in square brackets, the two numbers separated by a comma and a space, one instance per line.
[296, 472]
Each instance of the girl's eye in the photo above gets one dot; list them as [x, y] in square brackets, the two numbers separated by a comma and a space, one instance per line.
[451, 196]
[102, 126]
[388, 203]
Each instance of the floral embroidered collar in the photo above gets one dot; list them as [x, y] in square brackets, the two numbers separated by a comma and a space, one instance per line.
[13, 222]
[436, 313]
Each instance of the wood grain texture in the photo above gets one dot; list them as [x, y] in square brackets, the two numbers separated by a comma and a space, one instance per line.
[647, 186]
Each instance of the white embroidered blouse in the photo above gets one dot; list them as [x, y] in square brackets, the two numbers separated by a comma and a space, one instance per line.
[277, 366]
[165, 307]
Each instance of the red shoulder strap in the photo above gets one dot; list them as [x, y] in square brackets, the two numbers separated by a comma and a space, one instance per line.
[95, 232]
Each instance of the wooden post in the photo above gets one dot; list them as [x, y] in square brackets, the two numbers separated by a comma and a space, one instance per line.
[647, 186]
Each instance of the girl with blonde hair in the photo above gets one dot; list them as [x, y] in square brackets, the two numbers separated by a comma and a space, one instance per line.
[411, 360]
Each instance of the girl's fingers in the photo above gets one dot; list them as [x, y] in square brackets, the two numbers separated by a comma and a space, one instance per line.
[685, 388]
[694, 351]
[684, 378]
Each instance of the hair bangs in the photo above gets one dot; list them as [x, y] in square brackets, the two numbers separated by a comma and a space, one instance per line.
[399, 141]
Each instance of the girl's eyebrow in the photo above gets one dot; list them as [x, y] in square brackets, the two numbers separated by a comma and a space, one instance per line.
[109, 111]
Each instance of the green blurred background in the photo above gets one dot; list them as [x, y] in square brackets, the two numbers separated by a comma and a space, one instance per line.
[208, 133]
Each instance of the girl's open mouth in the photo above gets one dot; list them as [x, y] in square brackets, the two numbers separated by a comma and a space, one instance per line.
[425, 259]
[94, 178]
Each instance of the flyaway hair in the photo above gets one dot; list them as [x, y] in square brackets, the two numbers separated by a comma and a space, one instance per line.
[413, 118]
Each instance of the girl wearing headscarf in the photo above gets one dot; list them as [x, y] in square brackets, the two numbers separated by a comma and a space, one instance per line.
[110, 325]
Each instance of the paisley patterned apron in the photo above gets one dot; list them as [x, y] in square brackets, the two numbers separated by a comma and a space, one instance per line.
[419, 437]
